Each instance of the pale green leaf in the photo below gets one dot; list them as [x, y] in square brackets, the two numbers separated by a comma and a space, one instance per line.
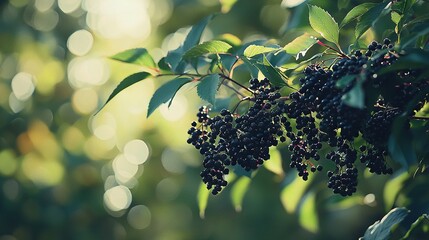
[210, 47]
[292, 193]
[202, 198]
[238, 191]
[253, 50]
[323, 23]
[274, 164]
[308, 218]
[300, 45]
[355, 97]
[166, 93]
[227, 5]
[138, 56]
[392, 188]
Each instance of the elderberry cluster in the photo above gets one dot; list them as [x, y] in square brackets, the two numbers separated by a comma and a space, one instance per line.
[314, 116]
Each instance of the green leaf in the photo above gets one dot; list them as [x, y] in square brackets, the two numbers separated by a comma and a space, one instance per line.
[166, 93]
[202, 198]
[300, 45]
[128, 81]
[238, 191]
[292, 193]
[421, 225]
[253, 50]
[356, 12]
[308, 218]
[421, 30]
[323, 23]
[207, 88]
[380, 230]
[276, 77]
[392, 188]
[345, 81]
[369, 18]
[274, 164]
[355, 97]
[342, 4]
[210, 47]
[227, 5]
[138, 56]
[174, 57]
[401, 148]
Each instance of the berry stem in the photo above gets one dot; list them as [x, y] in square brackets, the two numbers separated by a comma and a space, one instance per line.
[233, 81]
[333, 49]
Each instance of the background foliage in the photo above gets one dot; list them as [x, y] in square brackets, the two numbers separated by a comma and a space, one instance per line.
[66, 173]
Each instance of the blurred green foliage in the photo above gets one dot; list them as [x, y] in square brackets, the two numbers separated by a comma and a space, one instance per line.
[66, 173]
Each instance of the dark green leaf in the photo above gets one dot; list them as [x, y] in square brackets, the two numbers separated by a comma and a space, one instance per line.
[415, 59]
[400, 144]
[300, 45]
[418, 31]
[369, 18]
[356, 12]
[276, 77]
[163, 65]
[166, 93]
[345, 80]
[238, 191]
[240, 171]
[128, 81]
[420, 225]
[207, 88]
[380, 230]
[254, 50]
[342, 4]
[138, 56]
[355, 97]
[210, 47]
[323, 23]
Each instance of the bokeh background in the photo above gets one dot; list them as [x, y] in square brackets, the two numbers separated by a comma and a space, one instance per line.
[66, 173]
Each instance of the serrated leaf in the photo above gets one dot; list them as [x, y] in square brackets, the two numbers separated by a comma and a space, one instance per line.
[392, 188]
[207, 88]
[138, 56]
[369, 18]
[380, 230]
[308, 218]
[174, 57]
[238, 191]
[166, 93]
[300, 45]
[355, 97]
[274, 164]
[276, 77]
[128, 81]
[356, 12]
[292, 193]
[210, 47]
[202, 199]
[227, 5]
[323, 23]
[254, 50]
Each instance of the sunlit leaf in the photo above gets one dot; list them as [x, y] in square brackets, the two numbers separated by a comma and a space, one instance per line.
[308, 217]
[274, 164]
[230, 39]
[291, 4]
[238, 191]
[323, 23]
[166, 93]
[380, 230]
[369, 18]
[392, 188]
[300, 45]
[138, 56]
[356, 12]
[254, 50]
[207, 88]
[210, 47]
[227, 5]
[202, 198]
[128, 81]
[292, 193]
[174, 57]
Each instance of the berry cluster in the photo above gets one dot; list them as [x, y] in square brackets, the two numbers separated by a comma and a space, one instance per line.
[310, 118]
